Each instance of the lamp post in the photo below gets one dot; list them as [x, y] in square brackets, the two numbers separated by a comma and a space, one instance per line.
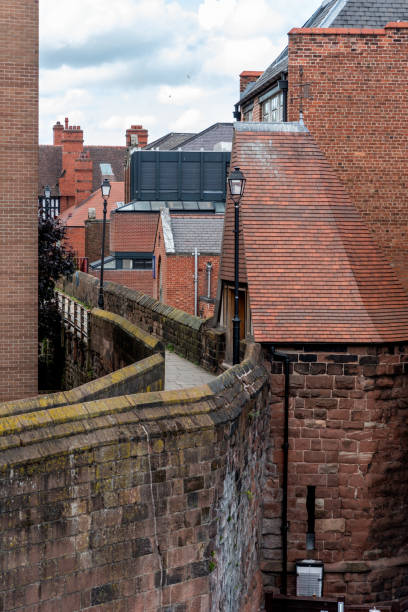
[105, 189]
[236, 182]
[47, 195]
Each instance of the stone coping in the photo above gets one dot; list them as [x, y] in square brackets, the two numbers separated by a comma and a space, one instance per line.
[81, 393]
[36, 435]
[145, 301]
[154, 344]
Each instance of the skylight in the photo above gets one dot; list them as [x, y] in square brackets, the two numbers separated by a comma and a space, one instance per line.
[106, 169]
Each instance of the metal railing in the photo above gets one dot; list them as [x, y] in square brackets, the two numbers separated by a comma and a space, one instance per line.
[75, 316]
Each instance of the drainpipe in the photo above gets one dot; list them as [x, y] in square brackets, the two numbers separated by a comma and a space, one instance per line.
[276, 355]
[209, 269]
[196, 254]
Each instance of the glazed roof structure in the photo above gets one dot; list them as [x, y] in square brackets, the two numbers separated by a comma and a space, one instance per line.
[314, 273]
[336, 14]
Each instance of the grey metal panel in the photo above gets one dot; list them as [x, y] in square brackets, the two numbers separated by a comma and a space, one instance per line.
[176, 175]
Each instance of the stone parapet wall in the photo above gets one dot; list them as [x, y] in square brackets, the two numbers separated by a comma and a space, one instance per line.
[141, 502]
[190, 336]
[348, 432]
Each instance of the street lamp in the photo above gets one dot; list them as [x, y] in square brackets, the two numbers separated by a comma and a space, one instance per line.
[236, 182]
[105, 189]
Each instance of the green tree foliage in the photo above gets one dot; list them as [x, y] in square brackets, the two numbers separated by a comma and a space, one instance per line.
[54, 260]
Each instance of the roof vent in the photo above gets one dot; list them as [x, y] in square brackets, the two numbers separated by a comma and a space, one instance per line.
[309, 578]
[91, 214]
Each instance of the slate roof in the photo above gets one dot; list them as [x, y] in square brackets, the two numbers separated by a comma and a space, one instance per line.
[115, 156]
[209, 138]
[49, 168]
[313, 270]
[50, 165]
[168, 142]
[205, 233]
[337, 14]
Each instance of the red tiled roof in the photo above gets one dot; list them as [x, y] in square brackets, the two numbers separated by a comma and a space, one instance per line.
[77, 215]
[314, 272]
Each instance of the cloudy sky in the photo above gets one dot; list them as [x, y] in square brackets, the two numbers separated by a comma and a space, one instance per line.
[171, 65]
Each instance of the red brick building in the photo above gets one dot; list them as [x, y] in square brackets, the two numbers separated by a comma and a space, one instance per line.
[18, 198]
[314, 285]
[184, 280]
[346, 69]
[75, 218]
[74, 171]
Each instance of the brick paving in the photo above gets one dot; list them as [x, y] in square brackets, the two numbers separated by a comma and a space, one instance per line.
[181, 373]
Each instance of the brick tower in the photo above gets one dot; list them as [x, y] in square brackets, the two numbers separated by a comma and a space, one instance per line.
[18, 197]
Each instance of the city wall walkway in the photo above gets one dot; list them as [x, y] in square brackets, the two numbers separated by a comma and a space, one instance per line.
[181, 373]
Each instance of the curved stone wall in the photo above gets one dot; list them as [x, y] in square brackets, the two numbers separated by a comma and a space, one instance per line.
[142, 502]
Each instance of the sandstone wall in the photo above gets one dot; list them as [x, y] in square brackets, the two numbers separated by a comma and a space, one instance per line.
[348, 439]
[143, 502]
[190, 336]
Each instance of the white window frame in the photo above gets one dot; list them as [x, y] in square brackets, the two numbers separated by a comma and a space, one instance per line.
[272, 108]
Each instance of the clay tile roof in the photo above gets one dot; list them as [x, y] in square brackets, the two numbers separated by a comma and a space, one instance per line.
[314, 272]
[75, 216]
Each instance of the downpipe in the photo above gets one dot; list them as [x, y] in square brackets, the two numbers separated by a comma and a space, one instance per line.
[284, 358]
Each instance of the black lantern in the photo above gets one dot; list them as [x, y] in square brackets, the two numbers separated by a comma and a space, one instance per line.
[47, 192]
[105, 190]
[236, 182]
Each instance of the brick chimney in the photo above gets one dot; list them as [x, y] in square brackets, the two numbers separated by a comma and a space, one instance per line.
[136, 136]
[246, 77]
[83, 177]
[58, 132]
[75, 183]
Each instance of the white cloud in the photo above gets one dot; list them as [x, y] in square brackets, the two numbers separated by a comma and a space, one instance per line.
[168, 64]
[187, 122]
[180, 96]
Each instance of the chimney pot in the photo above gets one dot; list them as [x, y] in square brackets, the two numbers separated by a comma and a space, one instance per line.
[66, 123]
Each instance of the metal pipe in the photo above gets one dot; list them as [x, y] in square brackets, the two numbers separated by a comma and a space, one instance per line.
[195, 281]
[209, 268]
[236, 324]
[100, 297]
[285, 447]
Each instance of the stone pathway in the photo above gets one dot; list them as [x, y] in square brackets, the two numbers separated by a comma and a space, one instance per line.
[181, 373]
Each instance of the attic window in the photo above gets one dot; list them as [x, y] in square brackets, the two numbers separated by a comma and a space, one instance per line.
[272, 108]
[106, 169]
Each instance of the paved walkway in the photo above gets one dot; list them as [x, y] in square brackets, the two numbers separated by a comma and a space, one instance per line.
[181, 373]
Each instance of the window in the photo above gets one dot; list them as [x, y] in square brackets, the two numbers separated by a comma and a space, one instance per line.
[106, 169]
[272, 108]
[136, 264]
[248, 115]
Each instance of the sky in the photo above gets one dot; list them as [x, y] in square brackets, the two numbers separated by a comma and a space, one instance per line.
[170, 65]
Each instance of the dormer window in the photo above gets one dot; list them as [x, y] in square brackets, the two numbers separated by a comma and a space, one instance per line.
[272, 108]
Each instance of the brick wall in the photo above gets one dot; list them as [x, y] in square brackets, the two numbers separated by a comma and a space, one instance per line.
[75, 239]
[348, 438]
[356, 110]
[147, 511]
[93, 239]
[246, 77]
[139, 280]
[177, 279]
[18, 197]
